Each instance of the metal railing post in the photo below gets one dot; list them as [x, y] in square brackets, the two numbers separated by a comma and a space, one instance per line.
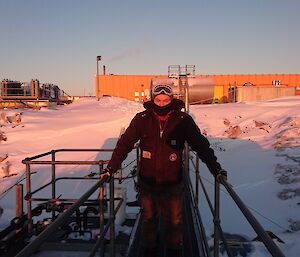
[19, 200]
[197, 181]
[112, 216]
[101, 211]
[186, 157]
[187, 109]
[29, 200]
[235, 92]
[53, 180]
[61, 219]
[137, 156]
[217, 219]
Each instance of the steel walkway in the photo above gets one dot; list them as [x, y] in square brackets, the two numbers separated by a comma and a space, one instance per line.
[193, 243]
[63, 210]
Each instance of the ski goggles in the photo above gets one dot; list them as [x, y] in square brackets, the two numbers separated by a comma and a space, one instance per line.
[162, 89]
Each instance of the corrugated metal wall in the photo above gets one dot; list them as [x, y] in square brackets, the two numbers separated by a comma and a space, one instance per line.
[257, 79]
[134, 87]
[262, 93]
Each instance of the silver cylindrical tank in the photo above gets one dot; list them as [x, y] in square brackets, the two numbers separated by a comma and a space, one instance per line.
[201, 90]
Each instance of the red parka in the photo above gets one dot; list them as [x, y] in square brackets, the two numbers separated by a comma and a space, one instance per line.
[162, 145]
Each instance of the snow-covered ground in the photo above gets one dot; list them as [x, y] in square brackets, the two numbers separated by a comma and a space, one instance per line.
[258, 143]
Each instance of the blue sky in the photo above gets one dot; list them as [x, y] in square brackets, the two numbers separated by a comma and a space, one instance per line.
[57, 41]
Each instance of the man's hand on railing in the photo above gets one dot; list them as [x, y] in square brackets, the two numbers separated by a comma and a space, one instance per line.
[221, 173]
[107, 174]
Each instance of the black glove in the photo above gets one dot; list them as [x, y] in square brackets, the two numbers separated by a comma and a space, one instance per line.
[221, 173]
[107, 174]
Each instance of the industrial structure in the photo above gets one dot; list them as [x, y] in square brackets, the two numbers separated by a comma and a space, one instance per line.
[226, 87]
[33, 94]
[55, 224]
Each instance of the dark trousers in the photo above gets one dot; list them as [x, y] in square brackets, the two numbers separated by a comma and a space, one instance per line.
[169, 207]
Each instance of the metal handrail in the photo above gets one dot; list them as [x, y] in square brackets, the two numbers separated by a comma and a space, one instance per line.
[35, 244]
[61, 218]
[203, 244]
[73, 203]
[27, 160]
[33, 160]
[108, 225]
[262, 234]
[265, 238]
[101, 162]
[217, 225]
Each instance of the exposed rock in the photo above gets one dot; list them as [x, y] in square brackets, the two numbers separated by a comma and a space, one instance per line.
[289, 193]
[2, 136]
[3, 117]
[289, 136]
[226, 122]
[260, 124]
[289, 157]
[284, 179]
[287, 174]
[294, 225]
[17, 118]
[292, 122]
[6, 169]
[3, 157]
[13, 119]
[233, 131]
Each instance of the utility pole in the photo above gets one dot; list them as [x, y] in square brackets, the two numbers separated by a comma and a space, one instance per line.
[98, 59]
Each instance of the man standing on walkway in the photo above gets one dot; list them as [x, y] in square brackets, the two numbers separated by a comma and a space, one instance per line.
[162, 129]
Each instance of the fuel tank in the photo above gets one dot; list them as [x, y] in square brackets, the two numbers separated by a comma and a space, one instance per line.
[200, 90]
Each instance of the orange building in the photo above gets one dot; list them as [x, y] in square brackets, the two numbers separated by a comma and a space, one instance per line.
[136, 87]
